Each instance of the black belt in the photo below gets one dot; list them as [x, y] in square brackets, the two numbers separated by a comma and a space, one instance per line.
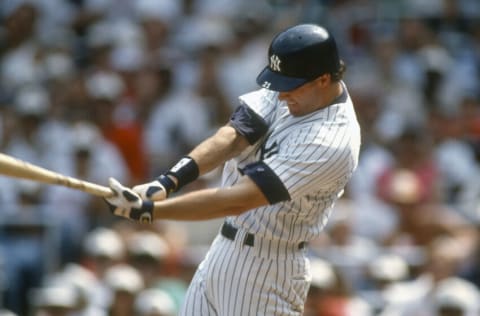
[230, 232]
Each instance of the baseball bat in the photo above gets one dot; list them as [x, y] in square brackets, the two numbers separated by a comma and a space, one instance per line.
[13, 167]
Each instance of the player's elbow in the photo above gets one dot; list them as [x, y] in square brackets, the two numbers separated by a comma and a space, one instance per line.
[228, 137]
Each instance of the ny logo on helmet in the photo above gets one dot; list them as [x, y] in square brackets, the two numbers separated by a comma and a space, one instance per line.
[275, 63]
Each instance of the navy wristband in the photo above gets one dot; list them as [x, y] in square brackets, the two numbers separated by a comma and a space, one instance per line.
[167, 183]
[185, 171]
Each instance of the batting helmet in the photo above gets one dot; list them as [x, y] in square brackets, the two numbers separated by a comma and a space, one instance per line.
[298, 55]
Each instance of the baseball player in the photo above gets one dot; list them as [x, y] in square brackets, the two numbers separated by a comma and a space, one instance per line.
[288, 151]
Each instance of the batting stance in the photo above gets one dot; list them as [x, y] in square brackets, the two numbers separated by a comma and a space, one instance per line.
[288, 151]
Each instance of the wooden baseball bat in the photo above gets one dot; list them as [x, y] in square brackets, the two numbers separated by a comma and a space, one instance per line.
[13, 167]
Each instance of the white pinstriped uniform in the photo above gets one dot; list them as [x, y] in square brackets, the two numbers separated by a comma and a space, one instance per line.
[314, 156]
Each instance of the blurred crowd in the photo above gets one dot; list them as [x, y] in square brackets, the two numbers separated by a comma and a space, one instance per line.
[119, 88]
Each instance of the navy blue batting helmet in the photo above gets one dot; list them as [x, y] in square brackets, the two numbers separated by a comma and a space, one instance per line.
[298, 55]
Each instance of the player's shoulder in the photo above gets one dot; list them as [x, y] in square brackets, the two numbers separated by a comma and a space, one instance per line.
[259, 98]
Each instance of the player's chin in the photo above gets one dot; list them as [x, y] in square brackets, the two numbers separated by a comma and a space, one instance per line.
[295, 110]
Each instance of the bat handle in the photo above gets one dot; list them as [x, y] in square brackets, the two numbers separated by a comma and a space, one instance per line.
[88, 187]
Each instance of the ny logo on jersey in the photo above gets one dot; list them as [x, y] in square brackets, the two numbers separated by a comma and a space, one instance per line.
[275, 63]
[266, 152]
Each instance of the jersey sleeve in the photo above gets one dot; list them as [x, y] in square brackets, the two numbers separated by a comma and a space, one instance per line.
[262, 102]
[310, 169]
[302, 169]
[267, 181]
[251, 118]
[248, 123]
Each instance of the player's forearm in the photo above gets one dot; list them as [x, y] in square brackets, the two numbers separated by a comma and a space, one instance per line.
[199, 205]
[214, 151]
[211, 203]
[208, 155]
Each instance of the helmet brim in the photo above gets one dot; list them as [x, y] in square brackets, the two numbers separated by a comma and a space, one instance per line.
[275, 81]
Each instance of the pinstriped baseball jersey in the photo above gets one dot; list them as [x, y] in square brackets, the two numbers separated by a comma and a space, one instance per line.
[257, 264]
[313, 156]
[301, 156]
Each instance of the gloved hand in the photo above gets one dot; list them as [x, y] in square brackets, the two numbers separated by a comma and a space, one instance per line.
[128, 204]
[155, 190]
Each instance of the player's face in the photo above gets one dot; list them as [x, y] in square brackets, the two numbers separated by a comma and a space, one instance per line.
[306, 98]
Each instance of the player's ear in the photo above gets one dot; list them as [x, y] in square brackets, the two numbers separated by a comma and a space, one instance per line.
[323, 80]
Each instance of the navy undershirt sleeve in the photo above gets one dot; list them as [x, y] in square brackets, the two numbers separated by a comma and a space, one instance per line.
[268, 182]
[248, 123]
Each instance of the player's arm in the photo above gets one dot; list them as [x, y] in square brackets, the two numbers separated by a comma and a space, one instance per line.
[197, 205]
[258, 186]
[211, 203]
[244, 128]
[225, 144]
